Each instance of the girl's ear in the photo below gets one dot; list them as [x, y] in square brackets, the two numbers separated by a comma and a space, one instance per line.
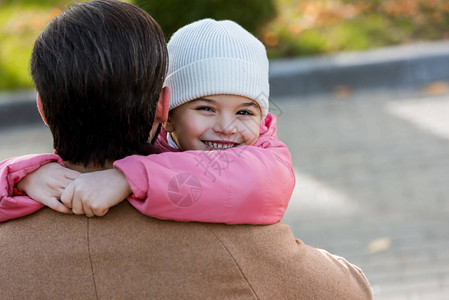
[40, 108]
[168, 126]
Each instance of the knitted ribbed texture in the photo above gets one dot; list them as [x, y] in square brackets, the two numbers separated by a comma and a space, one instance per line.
[211, 57]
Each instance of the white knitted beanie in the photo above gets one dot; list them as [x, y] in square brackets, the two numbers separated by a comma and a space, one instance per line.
[211, 57]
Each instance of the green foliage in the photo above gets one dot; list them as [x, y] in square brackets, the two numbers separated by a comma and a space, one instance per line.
[62, 4]
[305, 27]
[33, 3]
[360, 34]
[287, 27]
[173, 14]
[21, 21]
[311, 42]
[16, 37]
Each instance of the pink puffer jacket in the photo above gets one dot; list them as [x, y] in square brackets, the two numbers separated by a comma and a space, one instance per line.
[243, 185]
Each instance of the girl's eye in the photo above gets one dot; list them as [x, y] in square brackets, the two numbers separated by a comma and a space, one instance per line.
[205, 108]
[245, 113]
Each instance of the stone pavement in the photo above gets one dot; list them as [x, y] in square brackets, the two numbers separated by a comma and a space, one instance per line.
[372, 186]
[371, 183]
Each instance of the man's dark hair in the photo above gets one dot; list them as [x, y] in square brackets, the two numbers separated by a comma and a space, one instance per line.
[99, 68]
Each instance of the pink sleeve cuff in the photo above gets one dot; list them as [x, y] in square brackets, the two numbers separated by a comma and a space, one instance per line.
[135, 171]
[12, 171]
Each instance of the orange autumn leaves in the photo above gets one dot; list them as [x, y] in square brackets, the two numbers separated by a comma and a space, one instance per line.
[31, 21]
[320, 21]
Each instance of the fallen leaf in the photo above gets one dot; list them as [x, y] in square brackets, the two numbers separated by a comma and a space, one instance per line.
[343, 91]
[436, 88]
[379, 245]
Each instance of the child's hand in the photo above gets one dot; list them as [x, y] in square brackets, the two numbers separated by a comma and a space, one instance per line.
[94, 193]
[46, 184]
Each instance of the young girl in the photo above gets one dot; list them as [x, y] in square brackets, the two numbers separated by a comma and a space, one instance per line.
[232, 167]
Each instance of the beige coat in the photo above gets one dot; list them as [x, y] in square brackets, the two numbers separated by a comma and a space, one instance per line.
[126, 255]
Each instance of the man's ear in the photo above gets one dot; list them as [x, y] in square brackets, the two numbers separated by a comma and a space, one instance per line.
[161, 115]
[163, 105]
[40, 108]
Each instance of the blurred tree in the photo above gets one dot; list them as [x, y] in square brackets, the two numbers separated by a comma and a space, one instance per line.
[40, 3]
[173, 14]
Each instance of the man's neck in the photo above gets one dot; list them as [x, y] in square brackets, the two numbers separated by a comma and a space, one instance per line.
[89, 168]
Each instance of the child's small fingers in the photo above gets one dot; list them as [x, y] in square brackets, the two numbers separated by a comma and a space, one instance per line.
[58, 206]
[87, 210]
[67, 195]
[101, 212]
[77, 206]
[71, 174]
[64, 182]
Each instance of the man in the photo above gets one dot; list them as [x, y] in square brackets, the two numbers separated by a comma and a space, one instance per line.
[99, 69]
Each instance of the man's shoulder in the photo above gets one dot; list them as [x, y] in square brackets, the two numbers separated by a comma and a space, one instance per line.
[273, 261]
[128, 253]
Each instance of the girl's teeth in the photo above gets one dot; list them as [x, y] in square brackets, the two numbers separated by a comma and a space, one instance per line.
[219, 146]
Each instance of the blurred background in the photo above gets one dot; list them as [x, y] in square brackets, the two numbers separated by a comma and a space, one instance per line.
[360, 90]
[289, 28]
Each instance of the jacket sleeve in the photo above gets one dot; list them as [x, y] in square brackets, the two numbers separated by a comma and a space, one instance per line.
[12, 170]
[242, 185]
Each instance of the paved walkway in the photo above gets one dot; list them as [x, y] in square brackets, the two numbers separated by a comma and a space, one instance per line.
[372, 174]
[372, 186]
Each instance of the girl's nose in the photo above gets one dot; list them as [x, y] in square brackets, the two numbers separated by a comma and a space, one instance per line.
[225, 125]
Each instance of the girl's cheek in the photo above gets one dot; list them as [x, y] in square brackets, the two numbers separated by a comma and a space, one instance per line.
[198, 126]
[254, 134]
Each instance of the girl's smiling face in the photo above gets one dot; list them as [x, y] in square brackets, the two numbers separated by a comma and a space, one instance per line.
[215, 122]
